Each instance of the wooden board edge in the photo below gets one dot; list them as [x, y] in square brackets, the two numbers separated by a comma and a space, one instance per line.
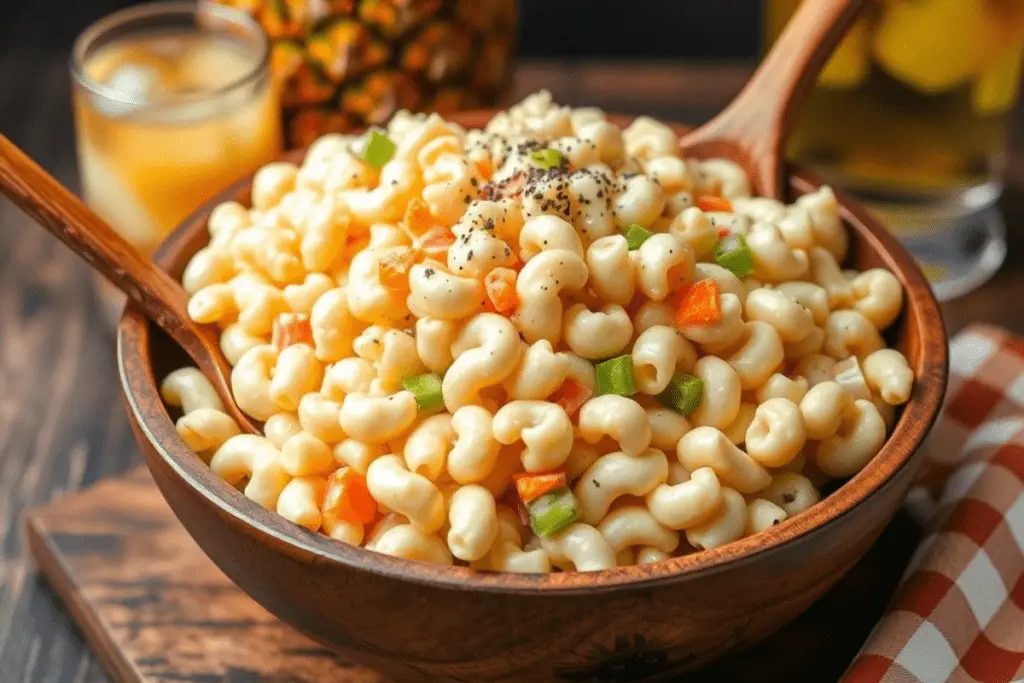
[89, 625]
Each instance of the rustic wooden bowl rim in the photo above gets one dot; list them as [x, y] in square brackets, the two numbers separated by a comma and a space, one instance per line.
[143, 399]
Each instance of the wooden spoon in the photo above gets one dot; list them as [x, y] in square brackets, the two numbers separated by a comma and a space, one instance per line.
[753, 129]
[163, 300]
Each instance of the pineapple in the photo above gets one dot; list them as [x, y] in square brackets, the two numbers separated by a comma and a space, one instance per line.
[344, 64]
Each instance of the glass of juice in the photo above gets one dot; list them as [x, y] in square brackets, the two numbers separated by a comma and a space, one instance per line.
[912, 114]
[173, 101]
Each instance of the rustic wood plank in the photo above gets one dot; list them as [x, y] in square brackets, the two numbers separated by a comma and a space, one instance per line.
[54, 436]
[153, 607]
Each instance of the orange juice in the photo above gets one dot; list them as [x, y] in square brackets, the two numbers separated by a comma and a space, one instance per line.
[173, 102]
[151, 155]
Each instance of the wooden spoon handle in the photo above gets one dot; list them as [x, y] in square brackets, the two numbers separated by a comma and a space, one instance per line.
[754, 127]
[74, 224]
[63, 214]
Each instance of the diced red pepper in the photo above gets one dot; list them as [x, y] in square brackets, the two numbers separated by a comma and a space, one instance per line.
[699, 304]
[723, 232]
[292, 328]
[571, 395]
[532, 485]
[709, 202]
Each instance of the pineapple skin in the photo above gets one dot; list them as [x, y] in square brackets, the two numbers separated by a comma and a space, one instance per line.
[341, 65]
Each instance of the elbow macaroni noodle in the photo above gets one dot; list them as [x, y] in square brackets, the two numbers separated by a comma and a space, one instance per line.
[510, 281]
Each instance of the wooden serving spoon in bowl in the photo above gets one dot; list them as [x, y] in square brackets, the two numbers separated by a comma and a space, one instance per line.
[753, 129]
[163, 299]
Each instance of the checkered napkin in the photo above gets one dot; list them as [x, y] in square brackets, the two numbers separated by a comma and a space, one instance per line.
[958, 614]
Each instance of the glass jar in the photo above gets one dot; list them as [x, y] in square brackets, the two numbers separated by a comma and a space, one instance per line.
[912, 114]
[173, 102]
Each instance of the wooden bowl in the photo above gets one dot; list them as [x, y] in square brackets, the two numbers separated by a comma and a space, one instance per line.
[419, 622]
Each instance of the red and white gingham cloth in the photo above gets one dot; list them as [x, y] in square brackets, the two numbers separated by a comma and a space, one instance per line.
[958, 614]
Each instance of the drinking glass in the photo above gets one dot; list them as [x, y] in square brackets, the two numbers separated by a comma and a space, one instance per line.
[911, 114]
[173, 101]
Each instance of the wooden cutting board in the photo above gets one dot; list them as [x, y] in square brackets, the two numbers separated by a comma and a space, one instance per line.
[156, 610]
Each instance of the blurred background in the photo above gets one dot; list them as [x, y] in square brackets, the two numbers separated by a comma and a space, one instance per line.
[698, 29]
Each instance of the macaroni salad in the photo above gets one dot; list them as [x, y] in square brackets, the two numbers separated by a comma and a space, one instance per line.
[552, 344]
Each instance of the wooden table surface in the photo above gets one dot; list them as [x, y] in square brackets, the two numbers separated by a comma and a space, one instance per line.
[62, 426]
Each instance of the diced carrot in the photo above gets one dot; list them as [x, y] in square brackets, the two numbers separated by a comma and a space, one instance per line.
[500, 284]
[571, 395]
[436, 242]
[723, 232]
[532, 486]
[348, 499]
[676, 299]
[393, 268]
[292, 328]
[483, 167]
[418, 218]
[709, 202]
[699, 305]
